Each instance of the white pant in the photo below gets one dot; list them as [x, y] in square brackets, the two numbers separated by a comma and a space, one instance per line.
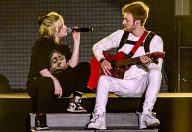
[129, 88]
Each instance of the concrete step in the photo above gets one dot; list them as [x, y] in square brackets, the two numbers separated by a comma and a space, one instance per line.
[116, 122]
[119, 130]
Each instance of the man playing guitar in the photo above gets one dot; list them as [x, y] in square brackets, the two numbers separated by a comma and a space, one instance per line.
[137, 79]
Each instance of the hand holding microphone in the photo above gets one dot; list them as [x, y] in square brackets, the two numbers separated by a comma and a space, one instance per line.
[78, 29]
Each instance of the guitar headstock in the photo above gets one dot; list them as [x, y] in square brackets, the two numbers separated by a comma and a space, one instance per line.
[156, 55]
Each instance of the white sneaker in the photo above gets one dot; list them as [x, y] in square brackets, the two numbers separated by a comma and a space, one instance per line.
[75, 105]
[97, 122]
[147, 120]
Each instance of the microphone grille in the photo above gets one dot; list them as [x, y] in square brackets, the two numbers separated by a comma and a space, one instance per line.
[91, 29]
[69, 30]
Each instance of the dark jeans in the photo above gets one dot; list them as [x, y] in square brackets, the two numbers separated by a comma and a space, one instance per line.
[41, 89]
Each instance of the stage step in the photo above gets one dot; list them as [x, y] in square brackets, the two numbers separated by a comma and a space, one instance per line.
[119, 130]
[75, 122]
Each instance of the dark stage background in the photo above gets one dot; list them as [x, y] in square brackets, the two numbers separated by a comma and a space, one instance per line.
[19, 30]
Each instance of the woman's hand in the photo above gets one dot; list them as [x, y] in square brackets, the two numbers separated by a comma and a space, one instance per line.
[76, 38]
[58, 89]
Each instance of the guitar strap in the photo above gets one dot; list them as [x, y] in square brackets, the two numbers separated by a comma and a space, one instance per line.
[147, 41]
[145, 44]
[123, 40]
[136, 46]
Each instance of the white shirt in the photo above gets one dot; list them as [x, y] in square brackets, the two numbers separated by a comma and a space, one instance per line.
[113, 41]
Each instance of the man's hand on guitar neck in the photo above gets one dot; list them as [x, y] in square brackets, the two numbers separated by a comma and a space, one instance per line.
[145, 60]
[106, 67]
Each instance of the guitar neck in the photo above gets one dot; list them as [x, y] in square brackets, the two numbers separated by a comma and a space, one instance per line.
[129, 61]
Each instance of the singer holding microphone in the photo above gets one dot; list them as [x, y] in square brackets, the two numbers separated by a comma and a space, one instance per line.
[55, 71]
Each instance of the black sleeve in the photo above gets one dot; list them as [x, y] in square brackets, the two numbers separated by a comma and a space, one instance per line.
[40, 56]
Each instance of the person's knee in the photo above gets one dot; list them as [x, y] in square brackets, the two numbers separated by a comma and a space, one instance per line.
[104, 82]
[103, 87]
[47, 79]
[46, 82]
[154, 73]
[103, 78]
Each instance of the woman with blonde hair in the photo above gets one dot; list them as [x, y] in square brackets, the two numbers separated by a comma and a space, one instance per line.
[55, 71]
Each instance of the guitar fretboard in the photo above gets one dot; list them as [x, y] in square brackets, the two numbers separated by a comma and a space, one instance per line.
[130, 61]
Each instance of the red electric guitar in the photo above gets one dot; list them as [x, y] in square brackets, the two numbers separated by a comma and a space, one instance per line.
[120, 63]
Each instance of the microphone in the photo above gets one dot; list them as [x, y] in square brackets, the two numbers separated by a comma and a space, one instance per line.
[78, 29]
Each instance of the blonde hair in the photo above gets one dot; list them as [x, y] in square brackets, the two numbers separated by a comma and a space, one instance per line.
[47, 24]
[138, 9]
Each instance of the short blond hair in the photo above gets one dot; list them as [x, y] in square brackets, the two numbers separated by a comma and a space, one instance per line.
[47, 24]
[138, 9]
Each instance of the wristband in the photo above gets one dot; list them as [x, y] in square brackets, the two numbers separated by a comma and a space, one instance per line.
[101, 60]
